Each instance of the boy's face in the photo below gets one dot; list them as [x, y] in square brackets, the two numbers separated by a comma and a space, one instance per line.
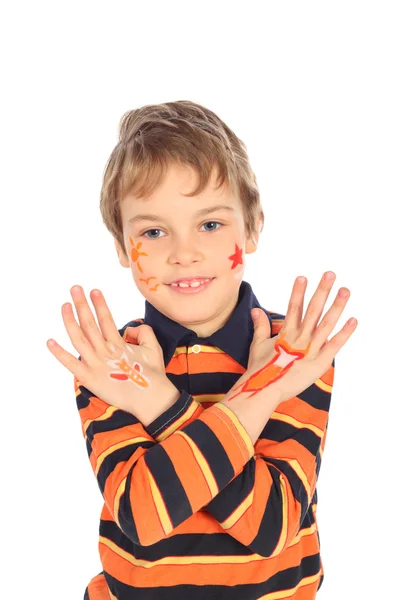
[177, 242]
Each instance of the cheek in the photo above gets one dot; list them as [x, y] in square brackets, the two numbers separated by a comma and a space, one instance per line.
[143, 267]
[236, 258]
[147, 284]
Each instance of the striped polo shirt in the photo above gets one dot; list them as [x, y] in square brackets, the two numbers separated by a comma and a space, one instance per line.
[192, 510]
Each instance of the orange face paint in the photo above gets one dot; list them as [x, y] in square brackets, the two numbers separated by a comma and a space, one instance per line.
[236, 257]
[135, 253]
[147, 280]
[135, 259]
[128, 372]
[275, 369]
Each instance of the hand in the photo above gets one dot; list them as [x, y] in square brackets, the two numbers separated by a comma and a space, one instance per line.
[122, 375]
[288, 373]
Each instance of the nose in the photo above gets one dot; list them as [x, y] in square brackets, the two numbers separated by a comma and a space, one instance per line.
[185, 251]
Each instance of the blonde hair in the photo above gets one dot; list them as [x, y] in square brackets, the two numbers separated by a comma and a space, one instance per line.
[184, 133]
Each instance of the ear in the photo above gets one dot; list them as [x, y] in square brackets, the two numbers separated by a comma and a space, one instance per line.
[123, 261]
[252, 242]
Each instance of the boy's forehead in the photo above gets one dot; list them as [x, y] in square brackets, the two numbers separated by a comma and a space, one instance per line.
[176, 183]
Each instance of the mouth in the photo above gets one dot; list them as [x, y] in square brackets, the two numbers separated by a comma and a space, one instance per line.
[191, 286]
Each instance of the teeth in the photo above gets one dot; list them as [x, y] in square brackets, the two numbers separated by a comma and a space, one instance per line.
[194, 284]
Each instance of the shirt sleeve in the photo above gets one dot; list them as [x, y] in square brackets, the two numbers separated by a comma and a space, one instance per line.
[263, 507]
[151, 487]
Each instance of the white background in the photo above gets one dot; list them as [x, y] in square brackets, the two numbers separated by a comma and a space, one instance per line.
[312, 88]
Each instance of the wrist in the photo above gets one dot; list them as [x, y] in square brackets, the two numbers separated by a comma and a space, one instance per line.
[163, 395]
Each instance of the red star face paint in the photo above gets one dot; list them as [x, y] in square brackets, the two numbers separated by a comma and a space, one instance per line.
[273, 370]
[236, 257]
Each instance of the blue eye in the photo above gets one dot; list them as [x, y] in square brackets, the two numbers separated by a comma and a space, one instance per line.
[151, 238]
[157, 237]
[216, 222]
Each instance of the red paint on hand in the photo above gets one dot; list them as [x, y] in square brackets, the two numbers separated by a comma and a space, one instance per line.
[274, 369]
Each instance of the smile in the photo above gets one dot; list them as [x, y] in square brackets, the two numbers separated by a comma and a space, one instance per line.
[192, 288]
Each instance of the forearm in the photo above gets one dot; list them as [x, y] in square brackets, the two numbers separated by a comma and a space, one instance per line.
[253, 412]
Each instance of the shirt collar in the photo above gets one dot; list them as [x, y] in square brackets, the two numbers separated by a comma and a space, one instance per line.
[234, 337]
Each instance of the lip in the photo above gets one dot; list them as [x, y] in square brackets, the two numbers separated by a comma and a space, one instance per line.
[190, 290]
[187, 279]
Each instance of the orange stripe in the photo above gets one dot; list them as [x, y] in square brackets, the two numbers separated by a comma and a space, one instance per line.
[203, 362]
[98, 589]
[209, 570]
[301, 410]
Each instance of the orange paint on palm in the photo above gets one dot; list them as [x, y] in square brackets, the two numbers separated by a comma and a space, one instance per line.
[273, 370]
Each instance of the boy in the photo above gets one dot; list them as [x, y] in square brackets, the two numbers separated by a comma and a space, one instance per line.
[208, 494]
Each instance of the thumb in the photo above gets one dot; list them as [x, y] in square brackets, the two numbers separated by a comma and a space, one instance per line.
[262, 328]
[142, 335]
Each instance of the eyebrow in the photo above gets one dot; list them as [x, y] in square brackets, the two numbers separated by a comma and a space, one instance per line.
[199, 213]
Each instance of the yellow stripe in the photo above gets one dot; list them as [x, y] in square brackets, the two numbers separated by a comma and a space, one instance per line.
[290, 593]
[282, 417]
[106, 415]
[114, 447]
[208, 397]
[176, 424]
[238, 425]
[195, 560]
[208, 476]
[239, 512]
[323, 386]
[203, 349]
[300, 473]
[203, 464]
[117, 499]
[284, 531]
[160, 506]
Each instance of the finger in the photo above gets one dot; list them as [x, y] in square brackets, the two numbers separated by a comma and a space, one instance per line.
[86, 319]
[74, 366]
[332, 347]
[130, 335]
[143, 335]
[295, 308]
[107, 324]
[261, 325]
[316, 305]
[330, 319]
[76, 335]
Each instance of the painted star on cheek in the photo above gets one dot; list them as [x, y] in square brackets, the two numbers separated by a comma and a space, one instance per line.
[237, 257]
